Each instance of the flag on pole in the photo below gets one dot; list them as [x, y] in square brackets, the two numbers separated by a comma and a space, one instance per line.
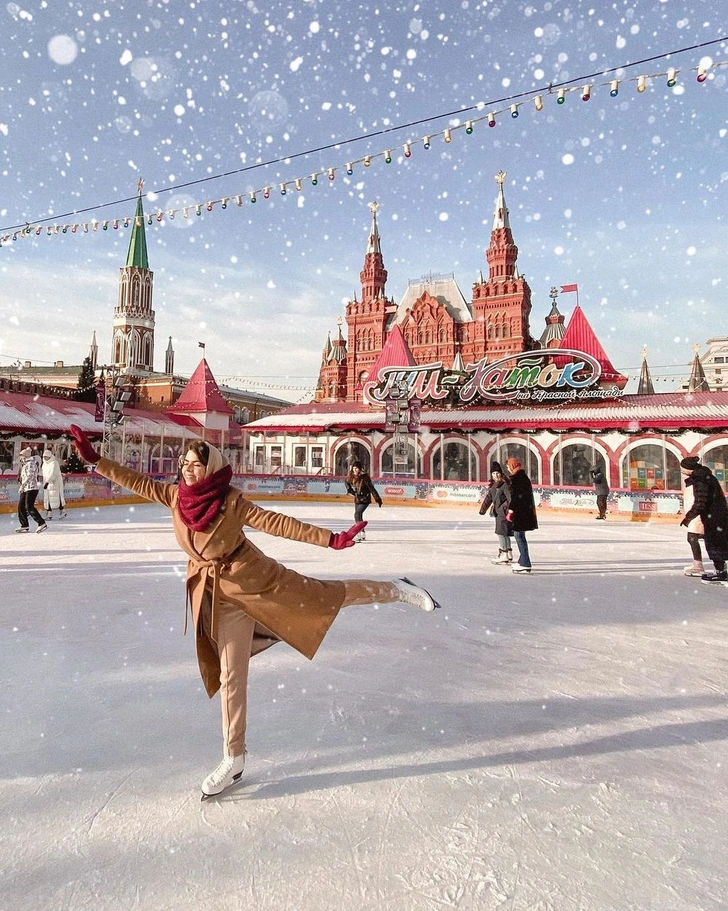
[202, 344]
[566, 288]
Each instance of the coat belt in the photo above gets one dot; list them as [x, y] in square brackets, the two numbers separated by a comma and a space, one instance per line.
[217, 565]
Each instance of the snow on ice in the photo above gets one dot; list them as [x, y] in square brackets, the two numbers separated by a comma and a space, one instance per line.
[553, 742]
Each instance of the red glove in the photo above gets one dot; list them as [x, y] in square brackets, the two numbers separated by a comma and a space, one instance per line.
[83, 445]
[343, 539]
[509, 515]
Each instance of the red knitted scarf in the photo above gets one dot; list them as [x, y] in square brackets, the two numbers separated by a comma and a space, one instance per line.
[200, 503]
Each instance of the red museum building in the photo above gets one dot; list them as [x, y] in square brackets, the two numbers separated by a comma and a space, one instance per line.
[437, 386]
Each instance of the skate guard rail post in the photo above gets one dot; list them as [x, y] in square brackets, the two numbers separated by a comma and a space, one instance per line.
[90, 490]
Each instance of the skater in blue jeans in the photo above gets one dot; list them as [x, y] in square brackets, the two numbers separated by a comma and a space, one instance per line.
[359, 485]
[523, 512]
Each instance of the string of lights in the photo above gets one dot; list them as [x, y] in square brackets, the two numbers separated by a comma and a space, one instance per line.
[510, 107]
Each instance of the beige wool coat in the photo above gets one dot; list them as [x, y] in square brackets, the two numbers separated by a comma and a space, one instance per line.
[224, 565]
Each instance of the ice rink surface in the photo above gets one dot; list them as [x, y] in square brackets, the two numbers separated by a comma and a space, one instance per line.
[552, 742]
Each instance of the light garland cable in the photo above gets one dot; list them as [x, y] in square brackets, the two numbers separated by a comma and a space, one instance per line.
[398, 127]
[296, 184]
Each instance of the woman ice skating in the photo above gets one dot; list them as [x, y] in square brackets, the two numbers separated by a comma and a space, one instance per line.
[241, 600]
[360, 486]
[709, 504]
[28, 491]
[497, 500]
[695, 528]
[522, 513]
[52, 486]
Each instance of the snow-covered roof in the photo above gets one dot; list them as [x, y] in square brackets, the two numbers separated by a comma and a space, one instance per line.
[42, 414]
[669, 411]
[444, 289]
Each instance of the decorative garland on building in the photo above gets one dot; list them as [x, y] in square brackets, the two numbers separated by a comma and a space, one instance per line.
[296, 184]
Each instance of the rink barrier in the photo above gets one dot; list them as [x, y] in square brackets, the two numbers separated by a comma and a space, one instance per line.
[91, 490]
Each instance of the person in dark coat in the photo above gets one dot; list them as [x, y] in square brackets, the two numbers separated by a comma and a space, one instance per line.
[601, 489]
[497, 501]
[360, 486]
[522, 512]
[710, 504]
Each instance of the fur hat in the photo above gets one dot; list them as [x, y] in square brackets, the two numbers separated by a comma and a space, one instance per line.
[495, 466]
[690, 463]
[26, 453]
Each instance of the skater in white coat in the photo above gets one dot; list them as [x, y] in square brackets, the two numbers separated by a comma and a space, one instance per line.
[52, 486]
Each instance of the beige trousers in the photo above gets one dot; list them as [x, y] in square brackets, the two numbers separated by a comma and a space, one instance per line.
[234, 645]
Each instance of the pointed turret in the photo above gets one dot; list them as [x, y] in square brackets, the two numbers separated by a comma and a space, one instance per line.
[579, 336]
[645, 386]
[373, 276]
[201, 402]
[502, 303]
[338, 349]
[500, 218]
[697, 381]
[132, 348]
[326, 353]
[331, 385]
[93, 352]
[554, 331]
[169, 359]
[137, 255]
[367, 318]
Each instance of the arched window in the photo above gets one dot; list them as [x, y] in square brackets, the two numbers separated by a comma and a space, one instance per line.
[572, 463]
[451, 460]
[399, 459]
[348, 452]
[651, 467]
[520, 451]
[717, 461]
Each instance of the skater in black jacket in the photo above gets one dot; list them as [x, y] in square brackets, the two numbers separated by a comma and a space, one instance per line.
[710, 504]
[522, 512]
[360, 486]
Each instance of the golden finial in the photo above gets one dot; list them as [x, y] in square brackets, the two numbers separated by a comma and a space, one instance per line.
[140, 185]
[374, 207]
[500, 177]
[644, 354]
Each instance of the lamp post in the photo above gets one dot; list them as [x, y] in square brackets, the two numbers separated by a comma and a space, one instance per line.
[115, 402]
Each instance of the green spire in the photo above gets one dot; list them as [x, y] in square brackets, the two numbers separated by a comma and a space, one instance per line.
[137, 255]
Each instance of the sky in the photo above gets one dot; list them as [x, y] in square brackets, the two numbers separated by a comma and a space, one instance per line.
[555, 742]
[624, 196]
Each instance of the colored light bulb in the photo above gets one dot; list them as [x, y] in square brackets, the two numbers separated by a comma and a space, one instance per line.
[538, 103]
[561, 96]
[614, 88]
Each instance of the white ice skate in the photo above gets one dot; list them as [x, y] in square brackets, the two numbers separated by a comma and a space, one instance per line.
[226, 774]
[410, 593]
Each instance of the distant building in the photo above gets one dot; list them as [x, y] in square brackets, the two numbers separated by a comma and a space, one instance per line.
[439, 386]
[132, 348]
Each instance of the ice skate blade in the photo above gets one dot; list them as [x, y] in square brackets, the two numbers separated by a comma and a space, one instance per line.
[236, 779]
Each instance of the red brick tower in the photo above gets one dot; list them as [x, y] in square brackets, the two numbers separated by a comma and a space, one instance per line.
[367, 319]
[502, 304]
